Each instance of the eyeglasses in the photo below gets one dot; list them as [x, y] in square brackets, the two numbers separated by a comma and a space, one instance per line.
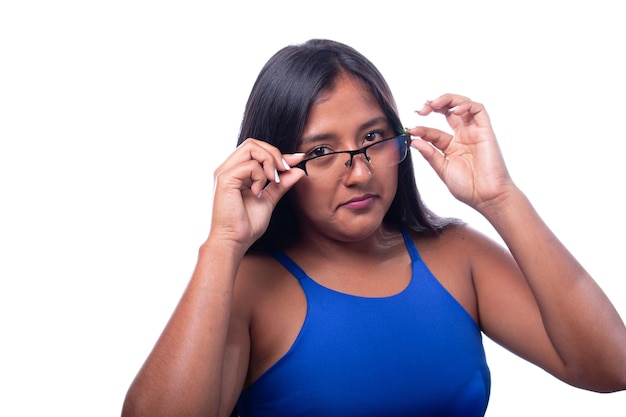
[334, 165]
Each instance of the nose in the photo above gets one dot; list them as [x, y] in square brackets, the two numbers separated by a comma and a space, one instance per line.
[358, 169]
[355, 153]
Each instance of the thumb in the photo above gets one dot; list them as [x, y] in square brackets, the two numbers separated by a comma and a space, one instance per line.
[434, 156]
[274, 191]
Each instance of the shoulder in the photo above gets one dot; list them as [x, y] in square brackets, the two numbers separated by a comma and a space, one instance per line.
[259, 272]
[458, 257]
[261, 279]
[257, 265]
[458, 242]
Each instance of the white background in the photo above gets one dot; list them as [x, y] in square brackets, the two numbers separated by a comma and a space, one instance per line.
[113, 116]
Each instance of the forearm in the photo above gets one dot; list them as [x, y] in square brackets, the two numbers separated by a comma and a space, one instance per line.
[582, 324]
[183, 373]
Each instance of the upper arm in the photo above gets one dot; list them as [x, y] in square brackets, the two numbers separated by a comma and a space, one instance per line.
[508, 311]
[237, 350]
[236, 359]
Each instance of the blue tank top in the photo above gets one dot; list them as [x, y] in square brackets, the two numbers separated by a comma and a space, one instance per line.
[416, 353]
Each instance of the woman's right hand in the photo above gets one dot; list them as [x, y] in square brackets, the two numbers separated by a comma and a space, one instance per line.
[242, 202]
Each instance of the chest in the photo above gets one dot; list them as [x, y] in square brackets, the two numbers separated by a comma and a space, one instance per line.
[415, 350]
[281, 309]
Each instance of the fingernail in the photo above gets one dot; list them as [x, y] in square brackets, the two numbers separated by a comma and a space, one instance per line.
[259, 194]
[286, 165]
[299, 154]
[276, 177]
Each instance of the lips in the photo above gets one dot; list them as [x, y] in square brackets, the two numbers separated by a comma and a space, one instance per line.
[360, 202]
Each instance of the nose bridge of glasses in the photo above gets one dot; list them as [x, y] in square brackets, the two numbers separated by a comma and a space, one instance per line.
[354, 171]
[354, 153]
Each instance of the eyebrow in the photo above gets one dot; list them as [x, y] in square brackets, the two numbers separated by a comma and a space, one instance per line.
[325, 136]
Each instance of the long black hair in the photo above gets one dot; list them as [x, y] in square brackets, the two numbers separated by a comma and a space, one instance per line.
[277, 109]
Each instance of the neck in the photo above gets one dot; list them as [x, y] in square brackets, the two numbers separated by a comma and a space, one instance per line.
[373, 247]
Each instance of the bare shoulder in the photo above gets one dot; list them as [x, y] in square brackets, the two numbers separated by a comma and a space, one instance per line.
[263, 285]
[454, 256]
[458, 242]
[463, 246]
[258, 268]
[259, 275]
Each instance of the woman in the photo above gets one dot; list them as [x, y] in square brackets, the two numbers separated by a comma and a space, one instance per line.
[327, 288]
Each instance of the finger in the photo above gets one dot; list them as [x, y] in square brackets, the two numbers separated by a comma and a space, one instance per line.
[441, 140]
[442, 104]
[275, 191]
[288, 160]
[248, 175]
[293, 159]
[434, 156]
[457, 109]
[471, 112]
[268, 156]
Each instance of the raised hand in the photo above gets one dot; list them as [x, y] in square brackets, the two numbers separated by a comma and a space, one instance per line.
[247, 188]
[469, 160]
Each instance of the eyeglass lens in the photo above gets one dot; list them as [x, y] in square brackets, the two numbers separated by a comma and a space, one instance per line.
[383, 154]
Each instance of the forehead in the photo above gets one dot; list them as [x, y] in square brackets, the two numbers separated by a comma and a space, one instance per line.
[349, 103]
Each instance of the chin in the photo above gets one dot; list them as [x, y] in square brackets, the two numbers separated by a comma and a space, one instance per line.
[357, 230]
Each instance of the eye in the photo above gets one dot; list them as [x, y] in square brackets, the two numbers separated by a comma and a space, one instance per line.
[318, 151]
[374, 136]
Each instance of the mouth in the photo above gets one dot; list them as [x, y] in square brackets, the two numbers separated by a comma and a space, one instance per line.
[359, 203]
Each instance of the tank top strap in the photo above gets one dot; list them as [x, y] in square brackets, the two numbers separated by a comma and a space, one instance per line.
[296, 271]
[290, 265]
[415, 256]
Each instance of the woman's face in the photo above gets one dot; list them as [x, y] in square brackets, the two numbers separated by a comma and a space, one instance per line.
[348, 204]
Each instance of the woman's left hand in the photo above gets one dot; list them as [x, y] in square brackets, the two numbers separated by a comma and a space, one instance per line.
[469, 161]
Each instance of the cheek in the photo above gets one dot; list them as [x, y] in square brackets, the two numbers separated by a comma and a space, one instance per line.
[390, 186]
[298, 194]
[307, 196]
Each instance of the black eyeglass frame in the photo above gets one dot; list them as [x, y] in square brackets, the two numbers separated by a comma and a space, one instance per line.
[405, 136]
